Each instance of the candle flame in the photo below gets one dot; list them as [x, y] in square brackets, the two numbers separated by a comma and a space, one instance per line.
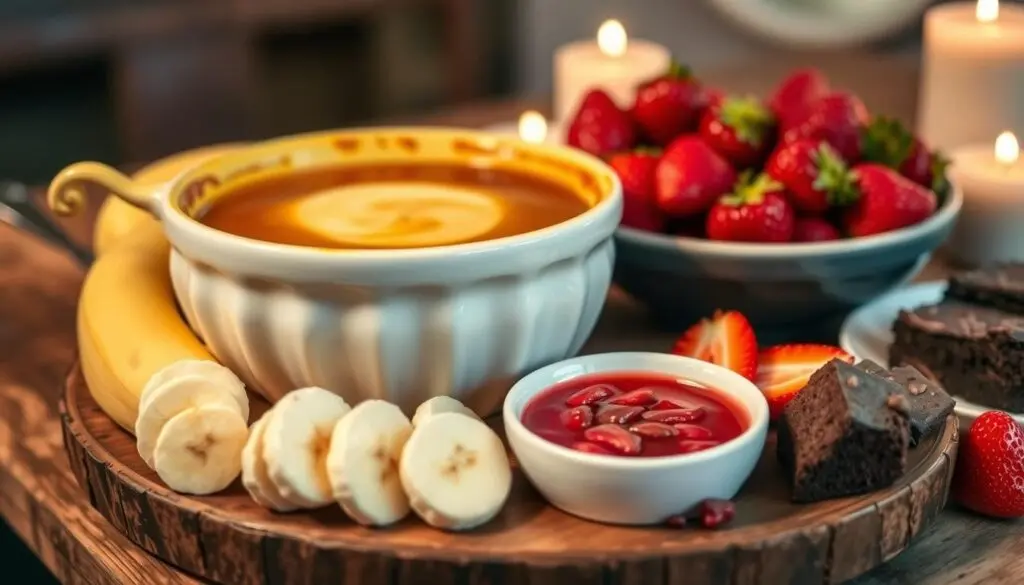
[612, 39]
[533, 127]
[987, 10]
[1007, 148]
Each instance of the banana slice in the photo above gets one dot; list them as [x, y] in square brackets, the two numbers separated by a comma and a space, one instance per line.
[400, 214]
[296, 441]
[172, 398]
[203, 368]
[199, 451]
[254, 471]
[455, 471]
[363, 463]
[437, 405]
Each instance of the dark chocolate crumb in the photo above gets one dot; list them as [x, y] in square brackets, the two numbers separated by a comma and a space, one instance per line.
[899, 403]
[916, 387]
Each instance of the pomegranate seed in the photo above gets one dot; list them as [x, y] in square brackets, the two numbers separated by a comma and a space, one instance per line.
[577, 419]
[693, 432]
[615, 438]
[619, 415]
[641, 397]
[666, 405]
[594, 448]
[678, 415]
[653, 430]
[688, 446]
[715, 513]
[590, 395]
[677, 521]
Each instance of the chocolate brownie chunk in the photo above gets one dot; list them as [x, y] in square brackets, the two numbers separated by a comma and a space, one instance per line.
[929, 403]
[845, 433]
[974, 352]
[998, 287]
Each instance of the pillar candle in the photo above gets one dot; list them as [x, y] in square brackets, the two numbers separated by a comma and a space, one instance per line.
[990, 228]
[612, 62]
[972, 84]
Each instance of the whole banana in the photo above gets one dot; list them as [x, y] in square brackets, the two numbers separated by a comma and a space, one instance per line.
[117, 218]
[129, 326]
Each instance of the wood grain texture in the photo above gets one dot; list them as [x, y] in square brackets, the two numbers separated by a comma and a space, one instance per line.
[229, 539]
[39, 497]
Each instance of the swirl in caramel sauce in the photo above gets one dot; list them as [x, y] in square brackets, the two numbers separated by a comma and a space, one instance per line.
[391, 206]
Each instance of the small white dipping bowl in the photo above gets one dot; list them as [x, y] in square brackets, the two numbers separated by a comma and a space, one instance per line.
[636, 490]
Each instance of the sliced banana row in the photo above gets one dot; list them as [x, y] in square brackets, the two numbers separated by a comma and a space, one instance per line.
[191, 426]
[311, 449]
[284, 461]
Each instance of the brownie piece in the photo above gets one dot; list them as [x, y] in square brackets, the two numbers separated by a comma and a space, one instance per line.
[998, 287]
[929, 402]
[845, 433]
[974, 352]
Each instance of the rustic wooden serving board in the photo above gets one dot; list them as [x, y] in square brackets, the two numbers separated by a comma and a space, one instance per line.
[228, 539]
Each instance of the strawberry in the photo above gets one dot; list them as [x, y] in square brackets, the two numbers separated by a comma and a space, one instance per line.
[814, 229]
[726, 339]
[813, 173]
[757, 211]
[600, 127]
[740, 129]
[691, 177]
[885, 201]
[795, 95]
[989, 475]
[783, 370]
[668, 106]
[713, 97]
[888, 142]
[636, 172]
[838, 118]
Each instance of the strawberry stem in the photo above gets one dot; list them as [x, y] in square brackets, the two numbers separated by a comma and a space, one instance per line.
[648, 150]
[887, 142]
[748, 117]
[940, 182]
[677, 70]
[750, 189]
[834, 177]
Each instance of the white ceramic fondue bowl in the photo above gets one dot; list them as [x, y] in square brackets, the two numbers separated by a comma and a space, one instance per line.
[636, 490]
[402, 325]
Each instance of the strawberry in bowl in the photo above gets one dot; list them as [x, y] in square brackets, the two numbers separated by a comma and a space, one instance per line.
[793, 209]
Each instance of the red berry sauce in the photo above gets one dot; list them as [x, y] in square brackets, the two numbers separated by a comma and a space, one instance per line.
[633, 414]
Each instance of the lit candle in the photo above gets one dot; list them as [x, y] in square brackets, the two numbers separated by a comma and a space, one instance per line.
[614, 63]
[991, 224]
[972, 81]
[533, 127]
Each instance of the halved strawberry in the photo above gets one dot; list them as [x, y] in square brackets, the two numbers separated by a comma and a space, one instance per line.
[726, 339]
[783, 370]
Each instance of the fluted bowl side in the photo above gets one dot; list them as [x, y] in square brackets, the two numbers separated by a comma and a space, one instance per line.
[403, 325]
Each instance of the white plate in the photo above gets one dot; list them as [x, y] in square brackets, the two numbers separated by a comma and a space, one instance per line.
[867, 332]
[823, 23]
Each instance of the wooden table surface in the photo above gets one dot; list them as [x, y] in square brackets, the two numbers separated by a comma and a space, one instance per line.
[45, 507]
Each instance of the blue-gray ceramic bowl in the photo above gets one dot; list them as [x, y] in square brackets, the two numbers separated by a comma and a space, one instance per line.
[777, 286]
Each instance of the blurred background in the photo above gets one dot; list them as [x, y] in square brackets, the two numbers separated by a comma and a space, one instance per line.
[130, 80]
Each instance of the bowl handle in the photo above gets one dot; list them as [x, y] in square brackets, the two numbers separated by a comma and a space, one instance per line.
[66, 194]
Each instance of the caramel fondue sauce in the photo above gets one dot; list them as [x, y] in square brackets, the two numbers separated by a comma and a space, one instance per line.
[407, 206]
